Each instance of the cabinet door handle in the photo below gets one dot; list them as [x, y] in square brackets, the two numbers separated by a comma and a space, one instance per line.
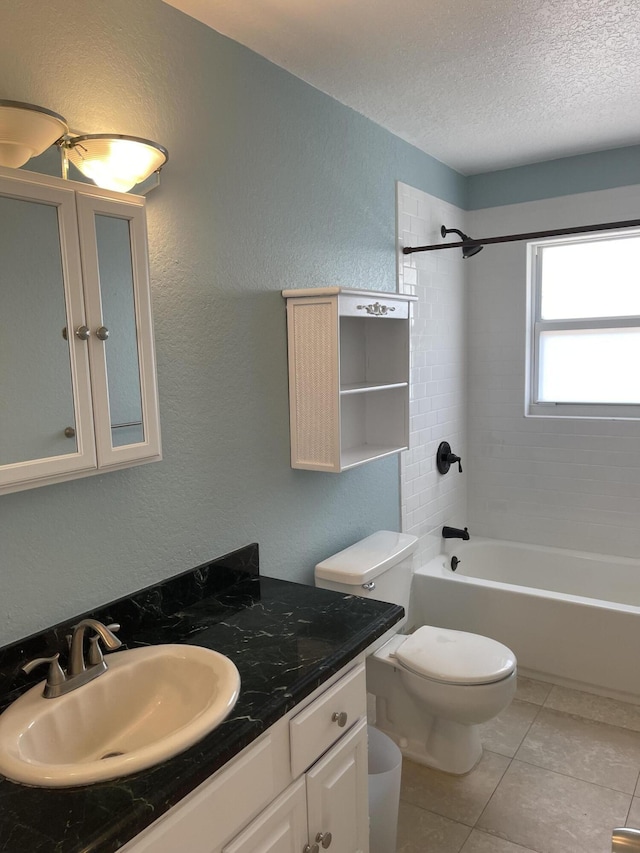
[339, 717]
[102, 333]
[324, 838]
[309, 849]
[83, 332]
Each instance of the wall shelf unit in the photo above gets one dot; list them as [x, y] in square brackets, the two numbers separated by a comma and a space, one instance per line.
[348, 376]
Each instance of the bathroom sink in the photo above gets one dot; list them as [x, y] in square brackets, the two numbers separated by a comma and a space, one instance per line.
[149, 705]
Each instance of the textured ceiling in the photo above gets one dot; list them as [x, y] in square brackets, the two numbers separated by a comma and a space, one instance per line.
[478, 84]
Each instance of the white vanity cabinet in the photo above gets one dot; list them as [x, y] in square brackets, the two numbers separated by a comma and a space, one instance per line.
[302, 784]
[327, 808]
[348, 376]
[77, 362]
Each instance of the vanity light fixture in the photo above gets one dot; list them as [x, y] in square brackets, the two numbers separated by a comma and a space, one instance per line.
[27, 130]
[114, 161]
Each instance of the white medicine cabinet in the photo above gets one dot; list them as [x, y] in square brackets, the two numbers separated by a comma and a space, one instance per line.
[348, 376]
[77, 362]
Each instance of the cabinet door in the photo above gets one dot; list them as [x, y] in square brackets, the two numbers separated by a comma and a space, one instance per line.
[113, 242]
[337, 795]
[281, 828]
[46, 422]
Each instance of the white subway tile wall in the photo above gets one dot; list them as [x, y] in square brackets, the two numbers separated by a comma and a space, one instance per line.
[569, 483]
[438, 386]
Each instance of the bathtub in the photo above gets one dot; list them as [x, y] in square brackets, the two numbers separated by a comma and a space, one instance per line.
[571, 618]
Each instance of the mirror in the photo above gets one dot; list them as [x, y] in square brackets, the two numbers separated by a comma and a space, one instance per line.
[119, 319]
[36, 380]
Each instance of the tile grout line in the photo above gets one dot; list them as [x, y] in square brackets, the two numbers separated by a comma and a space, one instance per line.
[590, 719]
[503, 774]
[511, 757]
[513, 843]
[575, 778]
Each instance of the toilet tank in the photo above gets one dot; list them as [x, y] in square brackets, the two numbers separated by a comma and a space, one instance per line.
[379, 567]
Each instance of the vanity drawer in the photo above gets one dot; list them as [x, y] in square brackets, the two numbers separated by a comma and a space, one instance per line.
[373, 306]
[315, 729]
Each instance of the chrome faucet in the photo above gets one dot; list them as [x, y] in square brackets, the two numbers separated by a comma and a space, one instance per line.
[78, 673]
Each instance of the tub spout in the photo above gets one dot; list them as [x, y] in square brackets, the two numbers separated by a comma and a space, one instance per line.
[455, 533]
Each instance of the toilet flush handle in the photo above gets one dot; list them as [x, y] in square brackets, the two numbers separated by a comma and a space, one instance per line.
[369, 586]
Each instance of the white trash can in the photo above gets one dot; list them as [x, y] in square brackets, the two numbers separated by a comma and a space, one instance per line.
[385, 771]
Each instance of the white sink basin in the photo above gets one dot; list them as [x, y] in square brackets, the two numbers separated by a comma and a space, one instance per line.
[149, 705]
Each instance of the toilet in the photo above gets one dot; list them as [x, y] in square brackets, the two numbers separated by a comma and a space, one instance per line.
[433, 687]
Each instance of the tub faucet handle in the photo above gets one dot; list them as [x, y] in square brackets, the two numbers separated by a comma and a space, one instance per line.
[445, 458]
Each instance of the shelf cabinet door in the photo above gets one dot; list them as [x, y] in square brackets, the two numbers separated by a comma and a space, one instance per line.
[337, 794]
[113, 244]
[46, 422]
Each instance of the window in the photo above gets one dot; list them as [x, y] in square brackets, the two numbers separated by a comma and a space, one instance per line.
[584, 350]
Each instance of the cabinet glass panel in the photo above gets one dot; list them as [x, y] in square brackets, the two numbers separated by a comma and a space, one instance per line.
[35, 369]
[118, 314]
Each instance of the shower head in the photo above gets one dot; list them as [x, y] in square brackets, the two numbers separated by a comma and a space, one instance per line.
[467, 251]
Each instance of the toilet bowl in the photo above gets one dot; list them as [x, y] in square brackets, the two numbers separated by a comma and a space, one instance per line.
[434, 687]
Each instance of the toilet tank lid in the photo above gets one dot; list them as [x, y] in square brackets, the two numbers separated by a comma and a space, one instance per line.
[368, 558]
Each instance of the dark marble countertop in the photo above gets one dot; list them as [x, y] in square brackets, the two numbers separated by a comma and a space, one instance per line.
[286, 639]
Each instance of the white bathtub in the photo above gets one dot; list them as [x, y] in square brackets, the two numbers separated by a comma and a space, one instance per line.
[570, 617]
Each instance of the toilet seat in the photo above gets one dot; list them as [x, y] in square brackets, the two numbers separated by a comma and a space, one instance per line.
[455, 657]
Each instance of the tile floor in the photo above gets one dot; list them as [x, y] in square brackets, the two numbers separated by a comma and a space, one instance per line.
[559, 771]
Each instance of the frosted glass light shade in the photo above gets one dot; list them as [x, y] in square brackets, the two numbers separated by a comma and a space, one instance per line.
[113, 161]
[26, 131]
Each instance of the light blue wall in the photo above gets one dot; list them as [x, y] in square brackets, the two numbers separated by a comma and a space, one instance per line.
[270, 185]
[602, 170]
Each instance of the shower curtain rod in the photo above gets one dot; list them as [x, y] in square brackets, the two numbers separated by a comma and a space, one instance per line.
[531, 235]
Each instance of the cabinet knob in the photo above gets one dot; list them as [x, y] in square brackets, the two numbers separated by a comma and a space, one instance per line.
[309, 849]
[69, 432]
[324, 838]
[83, 332]
[339, 717]
[102, 333]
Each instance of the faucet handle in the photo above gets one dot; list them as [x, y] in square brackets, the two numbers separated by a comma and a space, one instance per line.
[55, 676]
[95, 655]
[445, 458]
[453, 458]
